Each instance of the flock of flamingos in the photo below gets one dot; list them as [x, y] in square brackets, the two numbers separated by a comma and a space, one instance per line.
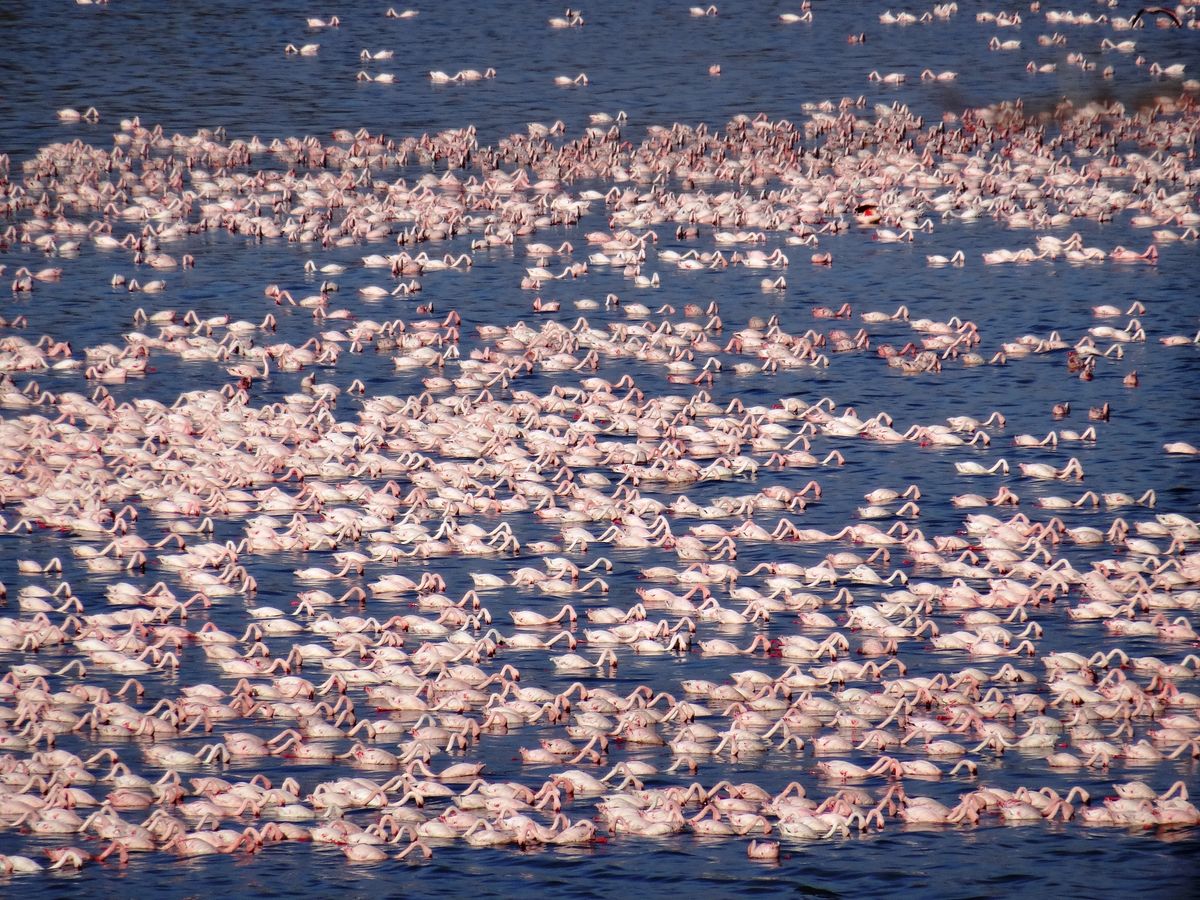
[156, 699]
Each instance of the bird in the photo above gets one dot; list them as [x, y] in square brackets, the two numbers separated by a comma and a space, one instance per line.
[1155, 11]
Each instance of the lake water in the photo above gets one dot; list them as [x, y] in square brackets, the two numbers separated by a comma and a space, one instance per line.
[222, 65]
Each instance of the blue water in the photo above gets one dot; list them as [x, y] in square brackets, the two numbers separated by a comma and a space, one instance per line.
[221, 65]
